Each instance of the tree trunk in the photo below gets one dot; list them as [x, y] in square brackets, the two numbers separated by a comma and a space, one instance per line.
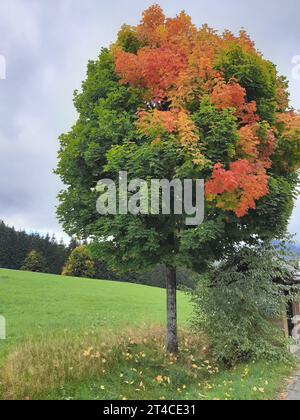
[172, 338]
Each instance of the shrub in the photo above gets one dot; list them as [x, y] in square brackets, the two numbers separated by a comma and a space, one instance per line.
[35, 262]
[79, 264]
[237, 302]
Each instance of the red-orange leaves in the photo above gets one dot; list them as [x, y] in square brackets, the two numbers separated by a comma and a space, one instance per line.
[288, 145]
[238, 188]
[153, 69]
[127, 68]
[232, 95]
[157, 31]
[289, 122]
[179, 34]
[155, 123]
[248, 141]
[152, 22]
[256, 142]
[180, 27]
[179, 122]
[187, 130]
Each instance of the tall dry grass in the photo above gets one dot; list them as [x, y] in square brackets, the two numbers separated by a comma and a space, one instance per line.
[36, 368]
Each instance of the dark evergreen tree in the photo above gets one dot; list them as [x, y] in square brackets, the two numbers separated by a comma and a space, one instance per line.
[16, 245]
[35, 262]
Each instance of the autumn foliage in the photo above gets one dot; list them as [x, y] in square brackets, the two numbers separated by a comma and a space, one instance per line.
[238, 187]
[175, 67]
[232, 95]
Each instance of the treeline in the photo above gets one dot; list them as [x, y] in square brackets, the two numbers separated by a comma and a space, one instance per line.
[15, 246]
[34, 252]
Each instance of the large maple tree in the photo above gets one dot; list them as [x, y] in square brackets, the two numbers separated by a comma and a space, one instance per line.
[169, 100]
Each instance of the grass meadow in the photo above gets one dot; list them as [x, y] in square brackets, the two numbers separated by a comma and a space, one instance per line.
[70, 338]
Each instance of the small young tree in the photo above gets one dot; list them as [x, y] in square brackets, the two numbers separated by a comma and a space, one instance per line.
[238, 303]
[35, 262]
[167, 101]
[79, 264]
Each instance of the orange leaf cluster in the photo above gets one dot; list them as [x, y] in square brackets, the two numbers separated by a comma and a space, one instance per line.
[175, 58]
[237, 188]
[157, 122]
[151, 69]
[290, 122]
[232, 95]
[253, 146]
[149, 30]
[268, 149]
[248, 140]
[187, 130]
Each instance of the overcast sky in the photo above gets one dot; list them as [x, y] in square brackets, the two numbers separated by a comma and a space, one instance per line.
[47, 44]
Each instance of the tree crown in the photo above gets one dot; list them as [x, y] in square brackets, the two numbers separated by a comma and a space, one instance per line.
[168, 100]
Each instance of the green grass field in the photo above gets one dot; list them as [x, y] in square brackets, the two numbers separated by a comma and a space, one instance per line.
[42, 304]
[70, 338]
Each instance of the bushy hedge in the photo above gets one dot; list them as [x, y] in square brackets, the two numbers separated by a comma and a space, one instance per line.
[237, 302]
